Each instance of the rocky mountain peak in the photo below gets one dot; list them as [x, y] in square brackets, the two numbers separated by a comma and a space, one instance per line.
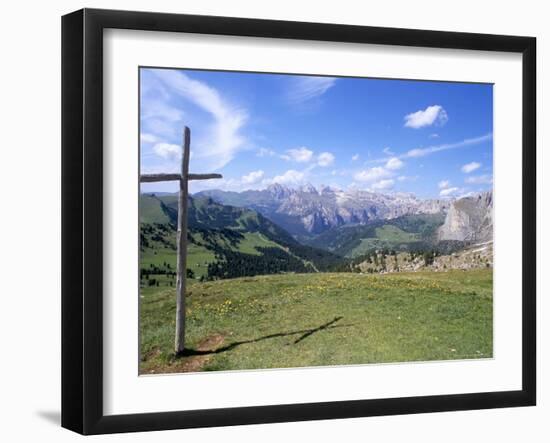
[279, 191]
[325, 189]
[469, 219]
[308, 189]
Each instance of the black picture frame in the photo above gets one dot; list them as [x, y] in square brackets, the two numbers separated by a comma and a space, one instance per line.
[82, 232]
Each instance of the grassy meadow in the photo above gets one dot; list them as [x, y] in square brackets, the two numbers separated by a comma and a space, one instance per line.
[319, 319]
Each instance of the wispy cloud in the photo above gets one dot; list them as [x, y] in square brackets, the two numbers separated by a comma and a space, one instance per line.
[223, 137]
[305, 88]
[162, 129]
[422, 152]
[434, 114]
[485, 179]
[444, 184]
[265, 152]
[470, 167]
[445, 147]
[148, 138]
[355, 157]
[159, 109]
[411, 178]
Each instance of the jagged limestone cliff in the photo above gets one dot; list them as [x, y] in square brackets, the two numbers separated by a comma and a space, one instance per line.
[469, 219]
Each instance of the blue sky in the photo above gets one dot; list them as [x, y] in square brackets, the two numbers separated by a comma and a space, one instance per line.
[433, 139]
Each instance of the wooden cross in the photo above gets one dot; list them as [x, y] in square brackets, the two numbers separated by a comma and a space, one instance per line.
[183, 177]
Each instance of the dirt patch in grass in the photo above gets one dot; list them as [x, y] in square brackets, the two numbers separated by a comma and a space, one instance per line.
[189, 363]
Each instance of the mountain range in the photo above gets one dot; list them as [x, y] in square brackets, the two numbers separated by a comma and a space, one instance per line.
[281, 229]
[307, 211]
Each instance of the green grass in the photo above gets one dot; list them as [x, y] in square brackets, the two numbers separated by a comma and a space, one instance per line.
[296, 320]
[198, 258]
[386, 236]
[394, 234]
[252, 240]
[150, 210]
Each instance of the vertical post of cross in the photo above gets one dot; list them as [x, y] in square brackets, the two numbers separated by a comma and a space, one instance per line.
[181, 240]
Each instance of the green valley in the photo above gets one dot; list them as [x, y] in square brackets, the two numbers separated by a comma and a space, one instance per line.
[409, 232]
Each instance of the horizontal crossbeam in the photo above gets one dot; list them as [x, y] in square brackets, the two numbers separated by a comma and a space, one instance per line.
[202, 176]
[148, 178]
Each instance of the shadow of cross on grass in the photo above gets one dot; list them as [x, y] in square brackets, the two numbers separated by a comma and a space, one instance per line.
[305, 333]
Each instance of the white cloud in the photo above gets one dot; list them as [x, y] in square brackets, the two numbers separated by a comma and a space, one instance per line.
[222, 139]
[394, 163]
[470, 167]
[379, 173]
[480, 180]
[265, 152]
[355, 157]
[167, 151]
[306, 88]
[387, 151]
[467, 194]
[427, 117]
[148, 138]
[299, 155]
[448, 192]
[444, 184]
[371, 174]
[163, 168]
[163, 129]
[325, 159]
[382, 184]
[252, 177]
[290, 177]
[434, 135]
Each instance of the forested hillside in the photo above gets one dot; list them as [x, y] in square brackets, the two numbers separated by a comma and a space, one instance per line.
[223, 242]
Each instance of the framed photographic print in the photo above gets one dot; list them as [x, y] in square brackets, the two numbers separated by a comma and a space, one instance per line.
[269, 221]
